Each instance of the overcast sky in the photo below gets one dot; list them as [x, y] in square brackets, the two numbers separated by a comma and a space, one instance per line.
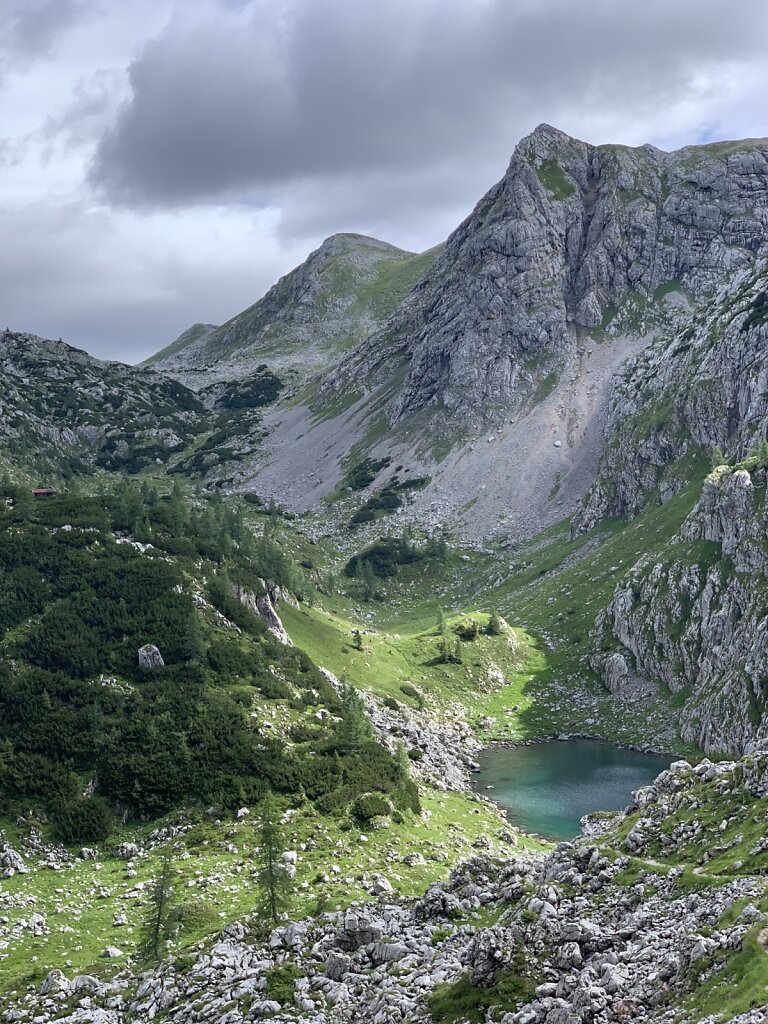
[163, 162]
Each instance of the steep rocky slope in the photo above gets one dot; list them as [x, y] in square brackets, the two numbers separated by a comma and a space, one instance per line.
[574, 238]
[703, 388]
[695, 615]
[64, 412]
[499, 362]
[342, 292]
[194, 336]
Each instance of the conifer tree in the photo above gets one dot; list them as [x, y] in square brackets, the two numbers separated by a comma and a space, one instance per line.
[718, 457]
[368, 578]
[495, 626]
[154, 929]
[275, 884]
[23, 505]
[445, 644]
[458, 652]
[354, 730]
[402, 761]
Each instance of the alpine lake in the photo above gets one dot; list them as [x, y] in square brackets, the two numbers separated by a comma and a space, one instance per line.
[545, 788]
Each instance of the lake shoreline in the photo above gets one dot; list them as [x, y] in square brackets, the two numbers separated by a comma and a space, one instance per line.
[563, 737]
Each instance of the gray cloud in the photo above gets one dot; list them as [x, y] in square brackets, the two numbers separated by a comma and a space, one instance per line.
[123, 290]
[248, 104]
[413, 209]
[243, 131]
[30, 28]
[87, 113]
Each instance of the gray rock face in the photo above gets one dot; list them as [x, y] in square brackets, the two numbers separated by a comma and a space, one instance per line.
[150, 657]
[694, 616]
[264, 605]
[705, 387]
[574, 237]
[11, 861]
[447, 749]
[358, 929]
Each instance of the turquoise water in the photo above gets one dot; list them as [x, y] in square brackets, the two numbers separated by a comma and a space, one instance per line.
[547, 787]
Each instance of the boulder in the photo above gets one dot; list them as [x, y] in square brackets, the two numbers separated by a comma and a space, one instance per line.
[357, 929]
[381, 885]
[386, 952]
[55, 981]
[150, 657]
[337, 965]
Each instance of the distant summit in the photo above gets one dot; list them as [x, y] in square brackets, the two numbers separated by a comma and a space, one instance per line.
[342, 292]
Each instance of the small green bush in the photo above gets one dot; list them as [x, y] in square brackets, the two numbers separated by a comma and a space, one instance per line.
[410, 691]
[364, 473]
[272, 688]
[281, 982]
[468, 630]
[82, 820]
[364, 515]
[370, 805]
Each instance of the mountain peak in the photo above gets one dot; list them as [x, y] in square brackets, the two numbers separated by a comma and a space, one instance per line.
[547, 143]
[548, 131]
[345, 288]
[344, 242]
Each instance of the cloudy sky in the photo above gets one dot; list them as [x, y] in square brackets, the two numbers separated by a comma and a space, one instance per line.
[162, 162]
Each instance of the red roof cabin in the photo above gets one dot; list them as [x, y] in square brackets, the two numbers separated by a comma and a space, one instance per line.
[43, 492]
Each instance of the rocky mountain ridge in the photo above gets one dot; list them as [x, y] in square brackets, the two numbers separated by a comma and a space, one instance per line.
[64, 412]
[341, 293]
[499, 362]
[568, 236]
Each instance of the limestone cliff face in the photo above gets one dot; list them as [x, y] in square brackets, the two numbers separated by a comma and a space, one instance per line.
[706, 387]
[695, 616]
[575, 238]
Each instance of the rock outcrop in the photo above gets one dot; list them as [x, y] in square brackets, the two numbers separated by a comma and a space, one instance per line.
[264, 606]
[695, 616]
[11, 861]
[150, 657]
